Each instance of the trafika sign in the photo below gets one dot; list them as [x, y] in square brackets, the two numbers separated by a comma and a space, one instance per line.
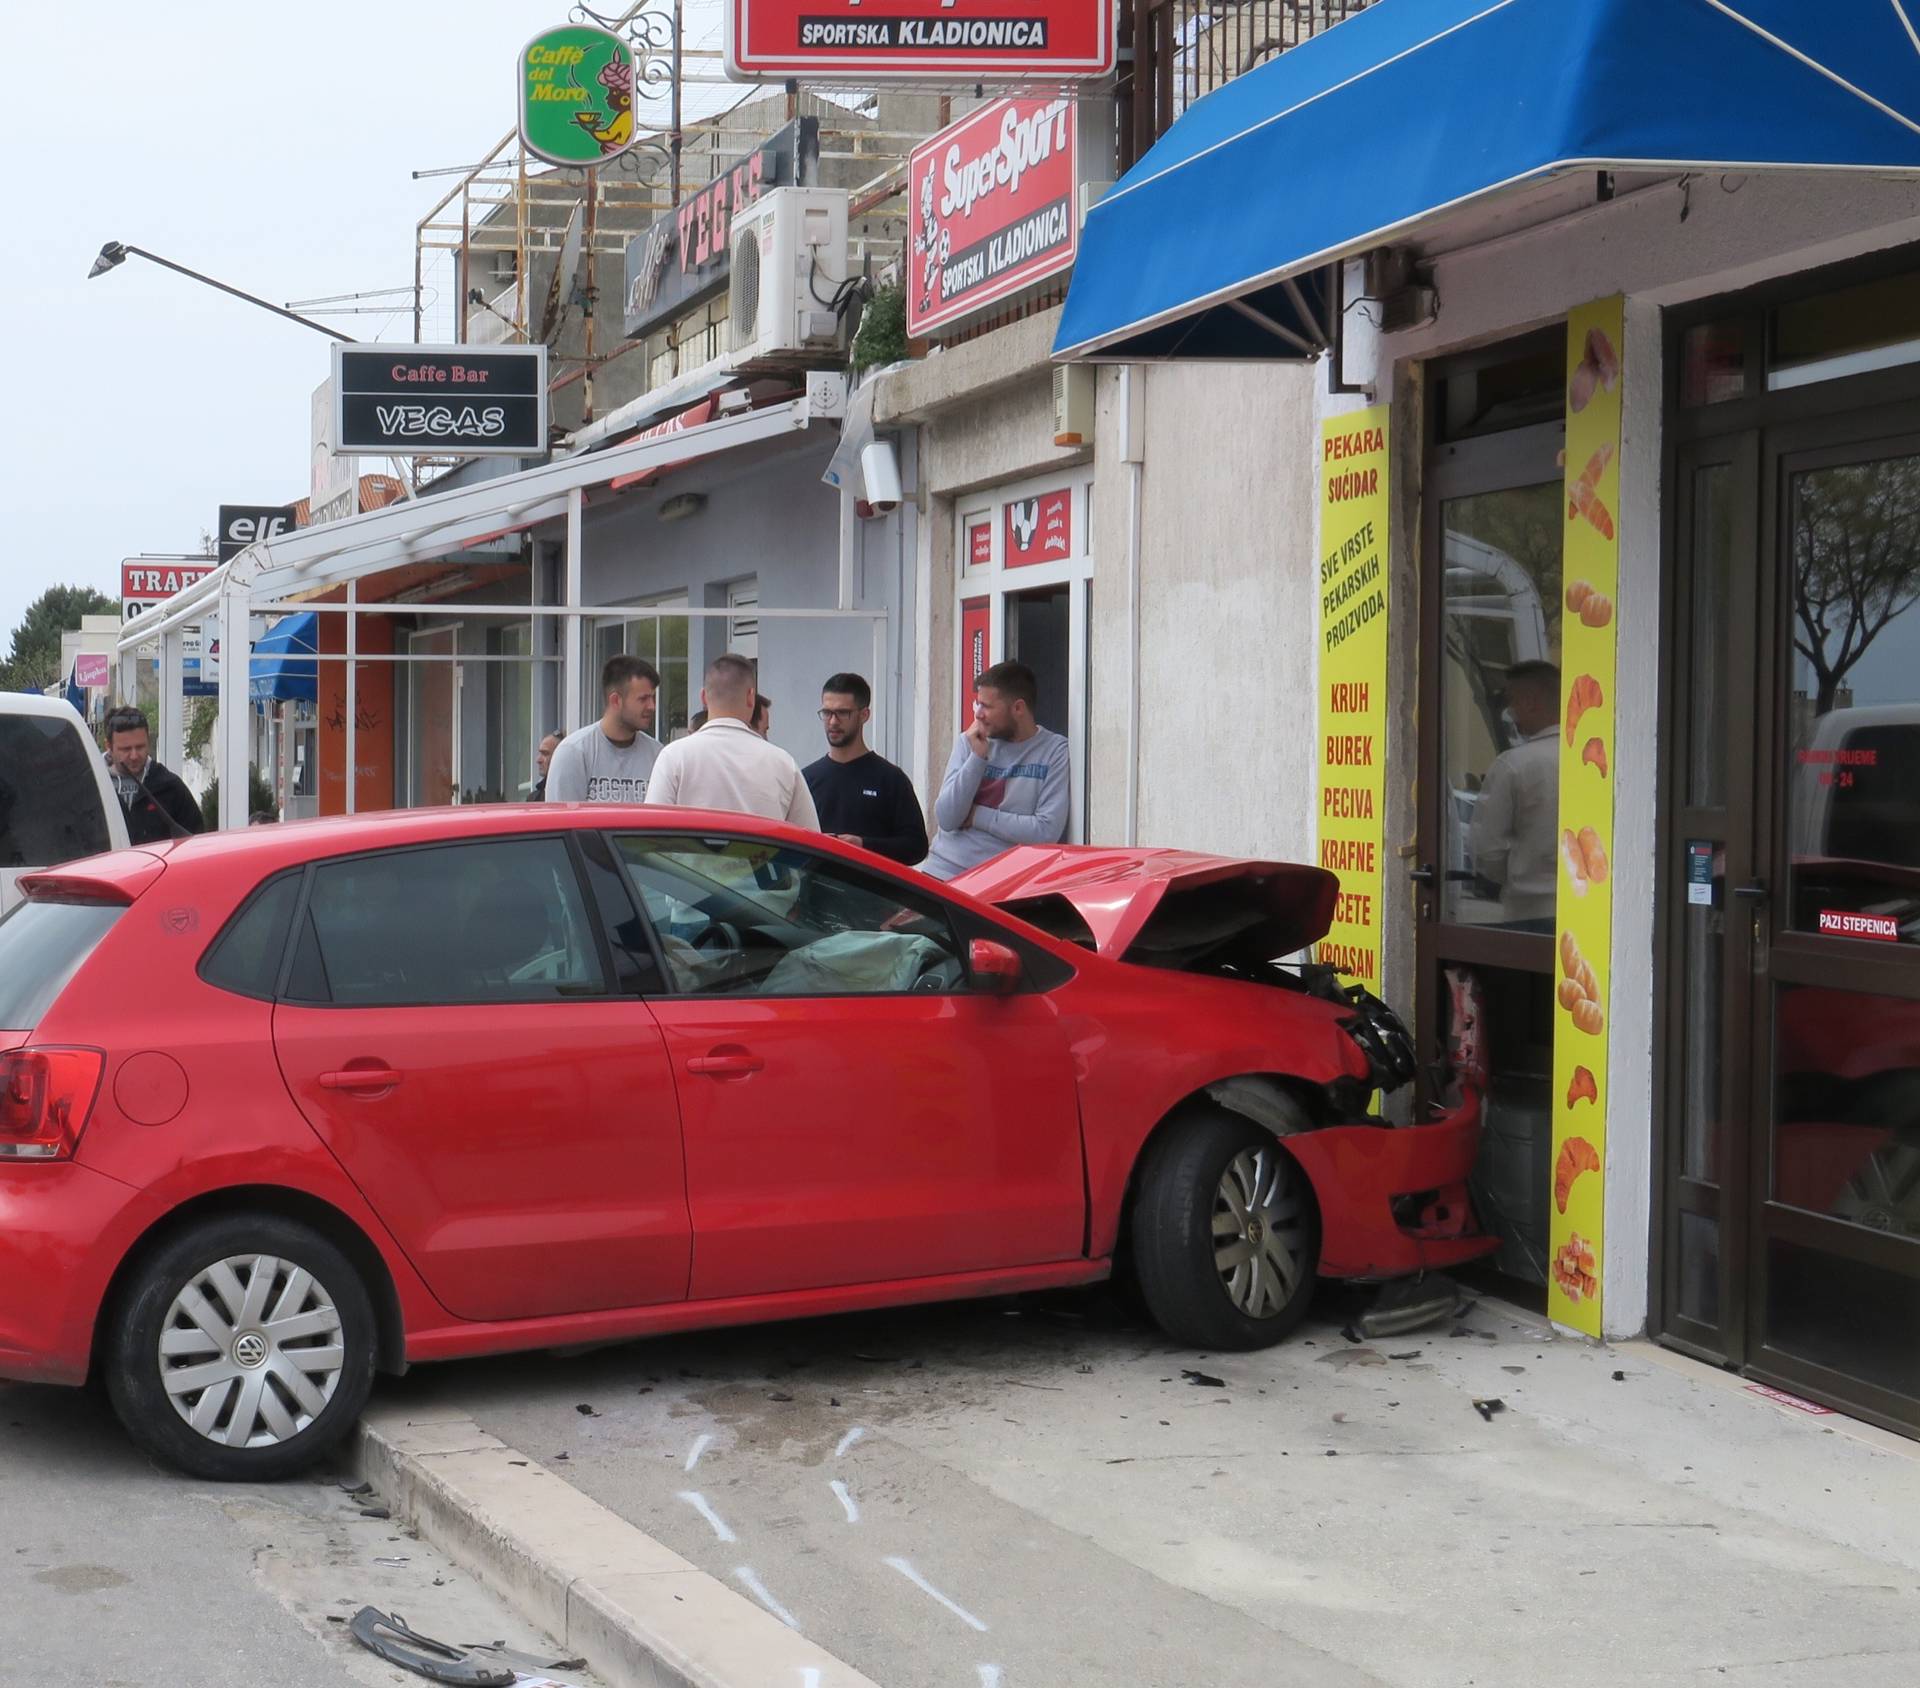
[866, 41]
[993, 208]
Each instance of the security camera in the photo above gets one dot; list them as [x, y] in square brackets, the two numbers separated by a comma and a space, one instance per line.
[880, 475]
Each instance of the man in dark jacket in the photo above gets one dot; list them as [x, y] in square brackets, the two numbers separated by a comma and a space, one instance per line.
[862, 797]
[158, 804]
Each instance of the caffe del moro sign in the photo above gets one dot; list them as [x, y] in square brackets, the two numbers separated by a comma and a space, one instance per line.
[993, 206]
[866, 41]
[440, 401]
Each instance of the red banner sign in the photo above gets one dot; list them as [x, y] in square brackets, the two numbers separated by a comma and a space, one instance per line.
[993, 205]
[1837, 923]
[1039, 530]
[976, 635]
[979, 545]
[957, 40]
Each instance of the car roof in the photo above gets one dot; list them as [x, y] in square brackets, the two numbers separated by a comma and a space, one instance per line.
[33, 703]
[286, 843]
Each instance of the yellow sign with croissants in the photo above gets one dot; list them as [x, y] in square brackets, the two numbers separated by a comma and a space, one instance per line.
[1583, 954]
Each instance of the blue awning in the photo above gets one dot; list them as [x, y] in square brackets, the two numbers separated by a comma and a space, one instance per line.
[284, 670]
[1413, 108]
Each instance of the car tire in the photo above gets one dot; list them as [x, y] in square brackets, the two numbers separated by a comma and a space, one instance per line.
[1225, 1233]
[242, 1350]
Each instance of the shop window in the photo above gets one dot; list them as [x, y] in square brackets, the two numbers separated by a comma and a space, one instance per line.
[661, 638]
[1500, 705]
[1875, 325]
[1524, 384]
[1713, 363]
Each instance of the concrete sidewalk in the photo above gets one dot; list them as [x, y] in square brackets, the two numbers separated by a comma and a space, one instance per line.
[1040, 1496]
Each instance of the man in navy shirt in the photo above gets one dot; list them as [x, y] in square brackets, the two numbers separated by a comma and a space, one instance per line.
[862, 797]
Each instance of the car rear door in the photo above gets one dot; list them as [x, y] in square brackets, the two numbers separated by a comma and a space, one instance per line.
[855, 1111]
[449, 1027]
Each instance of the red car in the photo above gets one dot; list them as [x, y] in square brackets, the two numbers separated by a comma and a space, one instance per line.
[282, 1107]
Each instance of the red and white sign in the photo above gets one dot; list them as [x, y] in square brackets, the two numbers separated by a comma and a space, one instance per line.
[92, 671]
[1837, 923]
[144, 584]
[1781, 1398]
[976, 633]
[993, 202]
[979, 545]
[953, 40]
[1040, 530]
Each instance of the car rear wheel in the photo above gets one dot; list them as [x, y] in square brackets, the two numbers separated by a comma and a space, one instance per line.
[1226, 1234]
[243, 1350]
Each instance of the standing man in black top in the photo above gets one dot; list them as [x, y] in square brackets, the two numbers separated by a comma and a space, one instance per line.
[157, 802]
[862, 797]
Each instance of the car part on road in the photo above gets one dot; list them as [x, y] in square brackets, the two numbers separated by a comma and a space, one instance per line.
[243, 1350]
[387, 1635]
[1226, 1234]
[1409, 1304]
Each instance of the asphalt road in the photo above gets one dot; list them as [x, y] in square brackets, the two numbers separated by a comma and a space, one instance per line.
[1039, 1496]
[115, 1574]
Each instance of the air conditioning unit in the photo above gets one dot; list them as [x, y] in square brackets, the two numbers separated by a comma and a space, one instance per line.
[787, 259]
[503, 264]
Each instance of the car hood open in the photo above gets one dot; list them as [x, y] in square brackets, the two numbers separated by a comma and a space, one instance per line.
[1163, 907]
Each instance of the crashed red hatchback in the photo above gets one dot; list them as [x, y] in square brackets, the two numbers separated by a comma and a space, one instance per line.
[282, 1108]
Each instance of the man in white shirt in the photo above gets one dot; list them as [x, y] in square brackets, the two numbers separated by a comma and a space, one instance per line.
[727, 765]
[1513, 834]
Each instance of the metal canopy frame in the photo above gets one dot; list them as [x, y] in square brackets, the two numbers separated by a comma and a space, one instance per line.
[283, 573]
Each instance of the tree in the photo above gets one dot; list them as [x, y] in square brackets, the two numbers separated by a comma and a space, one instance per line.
[34, 659]
[1856, 562]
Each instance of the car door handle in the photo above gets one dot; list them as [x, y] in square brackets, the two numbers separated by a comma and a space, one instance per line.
[363, 1079]
[736, 1064]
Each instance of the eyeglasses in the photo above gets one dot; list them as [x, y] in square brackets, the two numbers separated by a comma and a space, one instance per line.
[837, 714]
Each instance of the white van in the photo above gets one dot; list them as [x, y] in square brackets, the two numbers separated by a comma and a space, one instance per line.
[56, 801]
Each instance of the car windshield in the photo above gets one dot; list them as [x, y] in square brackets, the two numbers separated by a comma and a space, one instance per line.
[50, 809]
[42, 946]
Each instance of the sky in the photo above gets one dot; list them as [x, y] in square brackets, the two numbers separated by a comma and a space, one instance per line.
[272, 147]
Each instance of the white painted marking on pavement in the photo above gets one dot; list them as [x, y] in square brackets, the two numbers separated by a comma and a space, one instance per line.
[989, 1676]
[848, 1440]
[846, 1500]
[699, 1505]
[905, 1568]
[758, 1589]
[700, 1446]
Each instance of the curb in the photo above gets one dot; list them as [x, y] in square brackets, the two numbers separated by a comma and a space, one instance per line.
[640, 1615]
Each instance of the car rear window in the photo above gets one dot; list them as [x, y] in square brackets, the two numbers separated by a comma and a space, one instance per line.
[42, 946]
[50, 808]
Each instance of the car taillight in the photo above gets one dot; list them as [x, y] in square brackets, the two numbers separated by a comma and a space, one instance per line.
[46, 1096]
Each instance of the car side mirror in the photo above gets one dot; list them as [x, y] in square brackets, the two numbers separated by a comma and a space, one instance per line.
[994, 967]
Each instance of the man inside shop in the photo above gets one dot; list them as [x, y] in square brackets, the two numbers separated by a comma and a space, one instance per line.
[1513, 833]
[611, 760]
[862, 797]
[1008, 780]
[157, 802]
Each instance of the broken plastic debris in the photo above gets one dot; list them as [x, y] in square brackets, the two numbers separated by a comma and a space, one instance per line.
[387, 1636]
[1487, 1408]
[1204, 1380]
[585, 1410]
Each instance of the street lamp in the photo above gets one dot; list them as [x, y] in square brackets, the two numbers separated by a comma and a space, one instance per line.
[116, 252]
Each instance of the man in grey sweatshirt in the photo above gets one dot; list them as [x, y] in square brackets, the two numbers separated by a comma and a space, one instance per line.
[611, 760]
[1007, 781]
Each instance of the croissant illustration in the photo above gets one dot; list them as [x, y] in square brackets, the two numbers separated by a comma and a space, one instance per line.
[1579, 991]
[1595, 751]
[1581, 1088]
[1582, 695]
[1583, 497]
[1576, 1156]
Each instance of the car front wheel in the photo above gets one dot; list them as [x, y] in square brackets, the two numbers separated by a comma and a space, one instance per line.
[243, 1350]
[1226, 1234]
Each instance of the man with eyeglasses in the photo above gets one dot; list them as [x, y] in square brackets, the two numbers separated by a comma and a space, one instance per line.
[157, 802]
[862, 797]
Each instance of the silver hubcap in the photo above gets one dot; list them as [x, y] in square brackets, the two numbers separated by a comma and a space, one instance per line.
[251, 1351]
[1259, 1232]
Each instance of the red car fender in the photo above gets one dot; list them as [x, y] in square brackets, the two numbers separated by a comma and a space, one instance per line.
[1144, 1043]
